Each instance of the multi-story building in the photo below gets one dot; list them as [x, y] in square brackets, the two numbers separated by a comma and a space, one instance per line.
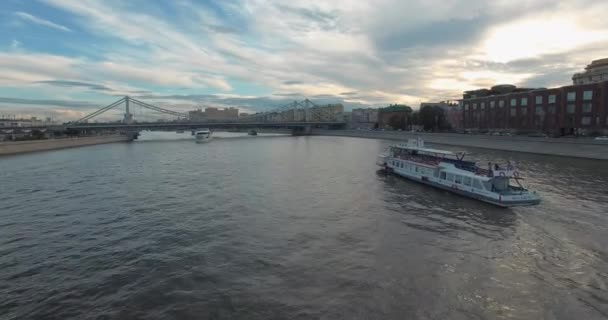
[364, 118]
[15, 122]
[329, 112]
[452, 111]
[595, 72]
[566, 110]
[212, 113]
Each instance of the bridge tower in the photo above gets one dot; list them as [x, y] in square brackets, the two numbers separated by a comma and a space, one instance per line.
[128, 118]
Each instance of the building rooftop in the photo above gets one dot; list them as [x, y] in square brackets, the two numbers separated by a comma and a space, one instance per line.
[597, 63]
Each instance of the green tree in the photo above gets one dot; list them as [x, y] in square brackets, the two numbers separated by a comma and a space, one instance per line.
[433, 118]
[397, 122]
[415, 118]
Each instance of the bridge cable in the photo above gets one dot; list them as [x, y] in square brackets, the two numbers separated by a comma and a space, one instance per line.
[100, 111]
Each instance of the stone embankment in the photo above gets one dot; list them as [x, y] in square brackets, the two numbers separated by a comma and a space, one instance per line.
[571, 147]
[16, 147]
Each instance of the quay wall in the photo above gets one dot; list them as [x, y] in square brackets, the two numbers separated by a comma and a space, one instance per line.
[16, 147]
[570, 147]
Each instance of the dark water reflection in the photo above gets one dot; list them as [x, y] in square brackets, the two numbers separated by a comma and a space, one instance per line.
[284, 227]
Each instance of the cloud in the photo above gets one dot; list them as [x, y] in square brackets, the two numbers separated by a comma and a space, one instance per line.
[67, 83]
[28, 17]
[62, 103]
[264, 52]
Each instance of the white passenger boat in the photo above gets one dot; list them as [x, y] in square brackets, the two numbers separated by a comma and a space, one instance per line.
[448, 170]
[203, 136]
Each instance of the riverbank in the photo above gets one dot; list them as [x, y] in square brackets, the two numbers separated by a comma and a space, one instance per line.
[17, 147]
[570, 147]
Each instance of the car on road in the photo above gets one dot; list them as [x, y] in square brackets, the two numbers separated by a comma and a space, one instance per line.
[602, 138]
[538, 135]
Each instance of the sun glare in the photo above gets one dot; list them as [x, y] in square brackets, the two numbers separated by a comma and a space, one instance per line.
[533, 38]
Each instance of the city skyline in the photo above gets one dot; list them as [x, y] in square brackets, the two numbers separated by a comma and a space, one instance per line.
[67, 58]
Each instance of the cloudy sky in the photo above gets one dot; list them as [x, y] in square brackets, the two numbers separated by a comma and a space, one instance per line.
[64, 58]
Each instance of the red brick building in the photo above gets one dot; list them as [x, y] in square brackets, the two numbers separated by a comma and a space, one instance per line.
[566, 110]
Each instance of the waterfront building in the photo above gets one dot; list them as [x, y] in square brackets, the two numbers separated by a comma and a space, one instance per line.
[212, 113]
[597, 71]
[574, 109]
[364, 118]
[21, 122]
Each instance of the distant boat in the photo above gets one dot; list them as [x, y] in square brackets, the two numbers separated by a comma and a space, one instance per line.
[203, 136]
[447, 170]
[252, 132]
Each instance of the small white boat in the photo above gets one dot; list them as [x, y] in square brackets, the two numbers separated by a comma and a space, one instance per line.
[449, 171]
[203, 136]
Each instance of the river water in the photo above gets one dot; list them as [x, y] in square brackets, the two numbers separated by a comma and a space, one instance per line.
[288, 227]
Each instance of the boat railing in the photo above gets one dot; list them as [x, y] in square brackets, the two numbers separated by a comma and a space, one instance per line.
[430, 161]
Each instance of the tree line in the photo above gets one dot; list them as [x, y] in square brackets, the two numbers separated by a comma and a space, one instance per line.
[431, 118]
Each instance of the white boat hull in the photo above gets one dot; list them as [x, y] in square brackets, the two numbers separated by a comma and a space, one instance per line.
[425, 174]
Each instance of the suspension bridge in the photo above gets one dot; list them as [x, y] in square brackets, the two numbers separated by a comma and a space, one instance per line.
[300, 116]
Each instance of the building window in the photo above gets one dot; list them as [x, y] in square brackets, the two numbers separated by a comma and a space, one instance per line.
[570, 108]
[586, 121]
[513, 112]
[587, 94]
[551, 109]
[524, 111]
[524, 101]
[513, 102]
[539, 99]
[474, 105]
[501, 103]
[466, 107]
[551, 98]
[492, 104]
[571, 96]
[483, 106]
[539, 110]
[587, 107]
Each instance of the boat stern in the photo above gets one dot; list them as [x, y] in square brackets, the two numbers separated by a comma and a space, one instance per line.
[382, 159]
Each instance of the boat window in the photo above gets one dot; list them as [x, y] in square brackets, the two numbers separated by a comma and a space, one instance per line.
[476, 184]
[458, 179]
[467, 181]
[450, 177]
[487, 185]
[442, 175]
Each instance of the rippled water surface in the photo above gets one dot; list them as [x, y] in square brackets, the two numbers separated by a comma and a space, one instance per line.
[291, 228]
